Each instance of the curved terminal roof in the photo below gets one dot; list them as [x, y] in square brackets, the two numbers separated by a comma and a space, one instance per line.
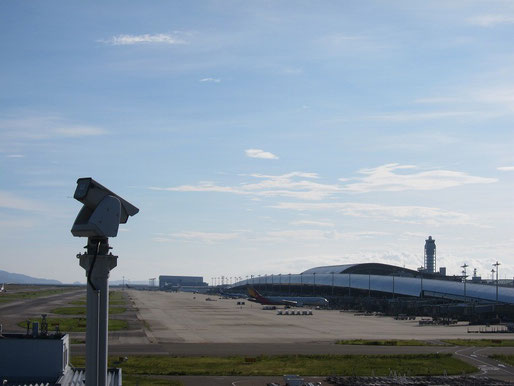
[367, 269]
[388, 279]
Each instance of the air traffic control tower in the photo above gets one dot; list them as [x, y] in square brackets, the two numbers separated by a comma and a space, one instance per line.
[430, 255]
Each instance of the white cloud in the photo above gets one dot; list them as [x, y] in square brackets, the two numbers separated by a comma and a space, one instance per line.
[258, 153]
[210, 80]
[318, 235]
[123, 40]
[36, 128]
[384, 178]
[11, 201]
[435, 100]
[79, 131]
[311, 222]
[506, 168]
[286, 185]
[194, 236]
[491, 20]
[421, 116]
[300, 185]
[408, 214]
[15, 156]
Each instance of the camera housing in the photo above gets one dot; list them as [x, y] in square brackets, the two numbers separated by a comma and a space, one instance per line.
[103, 210]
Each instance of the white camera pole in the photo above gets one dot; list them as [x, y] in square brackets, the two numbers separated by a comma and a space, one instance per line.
[97, 263]
[102, 213]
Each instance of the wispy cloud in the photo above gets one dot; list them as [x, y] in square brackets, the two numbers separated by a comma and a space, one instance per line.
[258, 153]
[422, 116]
[436, 100]
[210, 80]
[301, 185]
[9, 200]
[124, 40]
[295, 185]
[15, 156]
[384, 178]
[491, 20]
[408, 214]
[311, 222]
[195, 236]
[319, 235]
[34, 128]
[506, 168]
[78, 131]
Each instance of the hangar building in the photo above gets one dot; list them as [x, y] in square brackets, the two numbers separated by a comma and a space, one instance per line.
[180, 281]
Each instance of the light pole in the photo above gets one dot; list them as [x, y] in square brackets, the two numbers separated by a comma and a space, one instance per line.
[497, 269]
[421, 293]
[349, 284]
[369, 285]
[464, 266]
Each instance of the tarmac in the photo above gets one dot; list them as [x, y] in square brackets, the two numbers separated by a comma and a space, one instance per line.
[178, 317]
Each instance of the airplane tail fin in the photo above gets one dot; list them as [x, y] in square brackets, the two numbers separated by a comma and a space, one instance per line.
[253, 293]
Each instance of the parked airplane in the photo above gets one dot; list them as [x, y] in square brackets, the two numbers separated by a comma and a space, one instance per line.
[295, 301]
[3, 288]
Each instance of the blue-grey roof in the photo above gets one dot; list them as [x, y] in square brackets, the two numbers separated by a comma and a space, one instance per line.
[400, 285]
[329, 269]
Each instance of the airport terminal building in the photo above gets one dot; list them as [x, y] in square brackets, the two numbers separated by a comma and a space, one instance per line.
[393, 289]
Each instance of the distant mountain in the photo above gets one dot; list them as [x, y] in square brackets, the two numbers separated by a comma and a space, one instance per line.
[134, 282]
[18, 278]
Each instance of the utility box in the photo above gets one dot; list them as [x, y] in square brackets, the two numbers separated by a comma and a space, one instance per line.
[27, 358]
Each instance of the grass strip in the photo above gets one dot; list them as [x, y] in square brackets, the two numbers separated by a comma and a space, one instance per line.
[82, 310]
[75, 324]
[133, 380]
[25, 295]
[480, 342]
[509, 359]
[319, 365]
[116, 298]
[384, 342]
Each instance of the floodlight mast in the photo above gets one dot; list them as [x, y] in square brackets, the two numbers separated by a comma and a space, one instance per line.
[98, 220]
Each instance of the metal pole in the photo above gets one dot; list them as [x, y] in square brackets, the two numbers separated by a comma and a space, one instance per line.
[464, 266]
[349, 284]
[421, 293]
[97, 264]
[369, 285]
[497, 269]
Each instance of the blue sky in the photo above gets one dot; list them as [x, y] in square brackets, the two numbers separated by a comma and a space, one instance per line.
[259, 137]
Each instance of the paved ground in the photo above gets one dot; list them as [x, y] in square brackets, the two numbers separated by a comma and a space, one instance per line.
[190, 318]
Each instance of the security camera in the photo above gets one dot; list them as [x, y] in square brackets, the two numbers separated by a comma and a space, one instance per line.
[103, 210]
